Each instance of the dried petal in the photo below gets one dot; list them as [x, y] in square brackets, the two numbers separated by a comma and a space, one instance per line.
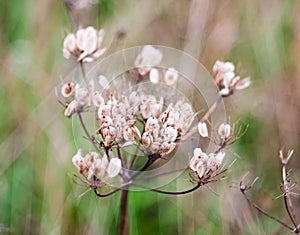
[171, 76]
[114, 167]
[202, 128]
[71, 109]
[224, 131]
[242, 84]
[154, 76]
[67, 89]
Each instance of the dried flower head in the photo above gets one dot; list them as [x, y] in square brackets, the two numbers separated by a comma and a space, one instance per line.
[226, 79]
[204, 166]
[85, 44]
[92, 166]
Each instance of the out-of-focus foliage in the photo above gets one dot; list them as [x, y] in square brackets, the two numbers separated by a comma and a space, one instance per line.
[37, 196]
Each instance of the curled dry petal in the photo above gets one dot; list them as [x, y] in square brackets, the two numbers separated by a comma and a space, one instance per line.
[171, 76]
[69, 45]
[114, 167]
[202, 128]
[67, 89]
[242, 84]
[71, 109]
[77, 159]
[147, 139]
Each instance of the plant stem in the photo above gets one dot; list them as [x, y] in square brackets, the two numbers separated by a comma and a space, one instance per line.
[123, 217]
[169, 192]
[287, 199]
[266, 213]
[86, 131]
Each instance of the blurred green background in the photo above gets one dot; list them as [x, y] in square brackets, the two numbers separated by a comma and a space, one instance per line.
[36, 144]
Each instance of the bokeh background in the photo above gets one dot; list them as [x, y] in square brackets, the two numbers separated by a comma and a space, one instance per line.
[37, 195]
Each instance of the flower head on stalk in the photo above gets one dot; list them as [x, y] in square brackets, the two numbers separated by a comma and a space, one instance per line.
[226, 79]
[229, 134]
[84, 45]
[94, 168]
[204, 166]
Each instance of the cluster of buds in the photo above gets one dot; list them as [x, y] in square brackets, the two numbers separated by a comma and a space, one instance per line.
[226, 79]
[118, 118]
[161, 133]
[92, 165]
[84, 45]
[205, 165]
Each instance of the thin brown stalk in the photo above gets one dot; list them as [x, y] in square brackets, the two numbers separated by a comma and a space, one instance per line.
[168, 192]
[287, 198]
[266, 213]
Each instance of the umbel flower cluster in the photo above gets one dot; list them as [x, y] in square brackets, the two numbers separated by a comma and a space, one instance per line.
[136, 128]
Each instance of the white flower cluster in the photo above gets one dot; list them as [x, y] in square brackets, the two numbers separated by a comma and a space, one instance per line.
[147, 62]
[205, 165]
[162, 131]
[85, 44]
[226, 79]
[118, 118]
[93, 166]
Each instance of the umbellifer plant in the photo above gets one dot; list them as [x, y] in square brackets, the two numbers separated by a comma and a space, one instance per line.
[148, 114]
